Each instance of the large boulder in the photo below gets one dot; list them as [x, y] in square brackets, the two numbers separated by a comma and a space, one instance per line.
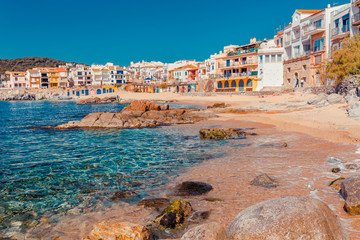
[263, 180]
[174, 215]
[335, 98]
[287, 218]
[354, 110]
[190, 188]
[222, 133]
[350, 190]
[207, 231]
[119, 231]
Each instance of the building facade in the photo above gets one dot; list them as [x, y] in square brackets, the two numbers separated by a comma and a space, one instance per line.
[17, 80]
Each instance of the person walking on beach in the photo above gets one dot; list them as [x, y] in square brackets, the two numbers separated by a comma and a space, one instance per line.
[297, 83]
[302, 83]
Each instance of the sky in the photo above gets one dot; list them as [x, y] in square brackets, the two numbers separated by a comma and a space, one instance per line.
[120, 31]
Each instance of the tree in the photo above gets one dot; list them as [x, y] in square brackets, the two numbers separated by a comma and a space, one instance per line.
[344, 61]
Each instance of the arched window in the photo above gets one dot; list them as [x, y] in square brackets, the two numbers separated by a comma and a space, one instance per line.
[220, 85]
[226, 85]
[241, 85]
[233, 84]
[249, 83]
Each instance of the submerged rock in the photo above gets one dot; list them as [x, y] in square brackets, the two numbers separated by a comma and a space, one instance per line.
[336, 170]
[218, 105]
[350, 190]
[222, 133]
[122, 194]
[207, 231]
[287, 218]
[154, 203]
[264, 180]
[119, 231]
[190, 188]
[336, 184]
[174, 215]
[352, 166]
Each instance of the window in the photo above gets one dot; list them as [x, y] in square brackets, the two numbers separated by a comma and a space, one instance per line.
[289, 80]
[289, 70]
[346, 25]
[318, 59]
[236, 60]
[304, 67]
[279, 58]
[261, 58]
[228, 63]
[319, 45]
[185, 73]
[318, 24]
[267, 58]
[273, 58]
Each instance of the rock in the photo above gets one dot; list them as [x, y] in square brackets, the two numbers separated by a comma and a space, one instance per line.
[155, 203]
[174, 215]
[138, 119]
[354, 110]
[119, 231]
[199, 216]
[190, 188]
[335, 99]
[122, 194]
[336, 170]
[317, 99]
[207, 231]
[352, 97]
[218, 105]
[350, 190]
[323, 103]
[264, 180]
[287, 218]
[352, 166]
[333, 160]
[336, 184]
[142, 105]
[222, 133]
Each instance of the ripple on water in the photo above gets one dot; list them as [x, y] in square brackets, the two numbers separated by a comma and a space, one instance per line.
[46, 172]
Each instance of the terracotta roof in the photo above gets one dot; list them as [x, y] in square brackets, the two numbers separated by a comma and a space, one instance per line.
[33, 71]
[307, 11]
[61, 69]
[95, 70]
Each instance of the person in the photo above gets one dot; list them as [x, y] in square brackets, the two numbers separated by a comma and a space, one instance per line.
[297, 83]
[302, 82]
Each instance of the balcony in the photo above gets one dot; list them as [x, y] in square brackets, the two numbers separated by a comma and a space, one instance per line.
[315, 28]
[238, 75]
[240, 64]
[338, 33]
[355, 20]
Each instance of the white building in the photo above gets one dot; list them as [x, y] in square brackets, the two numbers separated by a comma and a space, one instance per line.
[17, 80]
[210, 67]
[144, 70]
[270, 58]
[340, 26]
[80, 75]
[355, 17]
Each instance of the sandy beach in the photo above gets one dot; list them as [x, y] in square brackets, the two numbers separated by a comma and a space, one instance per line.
[313, 135]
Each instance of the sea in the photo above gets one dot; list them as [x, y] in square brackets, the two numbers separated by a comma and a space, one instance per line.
[46, 172]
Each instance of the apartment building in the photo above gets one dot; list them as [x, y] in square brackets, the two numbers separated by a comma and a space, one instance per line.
[307, 46]
[184, 74]
[355, 17]
[340, 26]
[80, 75]
[118, 75]
[237, 67]
[210, 65]
[17, 80]
[63, 77]
[270, 58]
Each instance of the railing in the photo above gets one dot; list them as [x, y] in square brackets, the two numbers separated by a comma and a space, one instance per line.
[314, 27]
[241, 63]
[234, 75]
[355, 18]
[337, 31]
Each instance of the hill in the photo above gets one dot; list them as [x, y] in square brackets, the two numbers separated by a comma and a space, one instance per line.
[22, 64]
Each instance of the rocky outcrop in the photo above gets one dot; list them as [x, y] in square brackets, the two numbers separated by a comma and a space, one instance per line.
[207, 231]
[317, 99]
[97, 100]
[352, 97]
[25, 95]
[350, 190]
[190, 188]
[222, 133]
[335, 99]
[174, 215]
[218, 105]
[144, 106]
[354, 110]
[119, 231]
[263, 180]
[129, 118]
[290, 218]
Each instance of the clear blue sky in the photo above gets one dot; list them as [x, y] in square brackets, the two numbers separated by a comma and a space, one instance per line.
[122, 31]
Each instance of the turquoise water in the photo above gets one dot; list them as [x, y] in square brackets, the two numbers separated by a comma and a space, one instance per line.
[44, 171]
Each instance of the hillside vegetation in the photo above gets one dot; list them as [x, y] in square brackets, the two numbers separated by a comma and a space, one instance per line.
[22, 64]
